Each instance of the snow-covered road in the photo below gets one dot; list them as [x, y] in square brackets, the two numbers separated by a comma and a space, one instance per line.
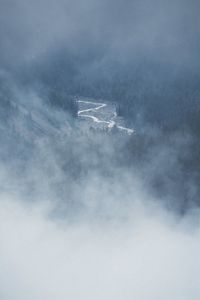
[101, 113]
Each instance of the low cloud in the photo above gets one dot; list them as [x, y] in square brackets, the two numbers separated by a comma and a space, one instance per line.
[150, 256]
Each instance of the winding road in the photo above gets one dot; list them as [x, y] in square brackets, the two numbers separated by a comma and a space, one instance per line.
[101, 113]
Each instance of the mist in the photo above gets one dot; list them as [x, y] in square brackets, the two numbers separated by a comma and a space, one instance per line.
[99, 156]
[149, 257]
[77, 222]
[164, 31]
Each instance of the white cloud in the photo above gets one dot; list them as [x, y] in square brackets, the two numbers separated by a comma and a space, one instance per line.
[148, 257]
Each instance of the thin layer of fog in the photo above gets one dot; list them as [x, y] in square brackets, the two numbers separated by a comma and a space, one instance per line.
[75, 223]
[100, 31]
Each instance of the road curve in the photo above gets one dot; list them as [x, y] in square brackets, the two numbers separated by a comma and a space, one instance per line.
[87, 113]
